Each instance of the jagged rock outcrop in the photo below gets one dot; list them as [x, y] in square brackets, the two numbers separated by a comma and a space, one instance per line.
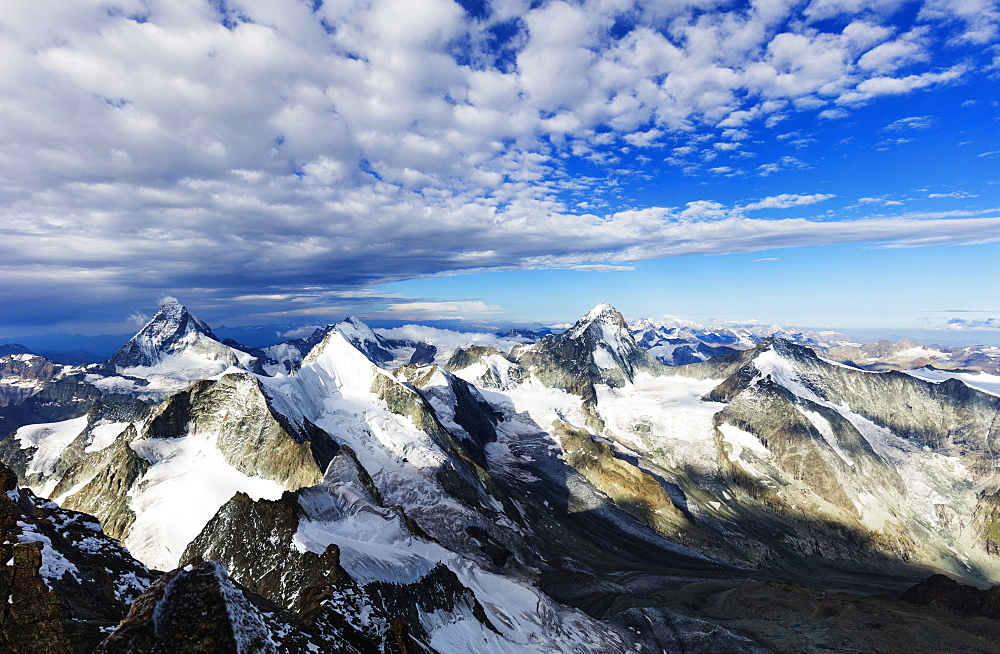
[198, 608]
[287, 356]
[63, 581]
[493, 369]
[966, 601]
[459, 406]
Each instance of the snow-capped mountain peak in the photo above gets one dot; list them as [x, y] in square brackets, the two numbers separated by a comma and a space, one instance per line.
[172, 329]
[603, 314]
[176, 345]
[365, 339]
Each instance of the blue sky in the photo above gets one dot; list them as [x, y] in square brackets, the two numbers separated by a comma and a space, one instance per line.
[824, 163]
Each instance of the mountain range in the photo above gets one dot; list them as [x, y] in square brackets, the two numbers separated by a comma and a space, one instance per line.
[653, 487]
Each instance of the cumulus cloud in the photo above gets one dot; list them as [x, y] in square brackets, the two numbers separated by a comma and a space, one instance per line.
[281, 152]
[965, 324]
[786, 200]
[953, 194]
[910, 122]
[138, 318]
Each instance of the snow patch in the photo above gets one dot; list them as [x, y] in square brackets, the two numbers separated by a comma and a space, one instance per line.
[50, 440]
[54, 564]
[825, 429]
[187, 484]
[104, 435]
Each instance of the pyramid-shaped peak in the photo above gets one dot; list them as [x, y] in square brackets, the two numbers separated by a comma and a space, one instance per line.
[174, 318]
[781, 345]
[171, 329]
[601, 314]
[604, 312]
[351, 323]
[170, 304]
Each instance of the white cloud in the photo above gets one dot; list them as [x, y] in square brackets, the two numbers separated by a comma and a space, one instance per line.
[879, 86]
[980, 19]
[299, 332]
[953, 194]
[138, 318]
[833, 114]
[785, 200]
[888, 57]
[602, 267]
[151, 146]
[444, 309]
[966, 324]
[910, 122]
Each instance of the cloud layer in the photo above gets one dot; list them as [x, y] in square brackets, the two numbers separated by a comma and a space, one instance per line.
[301, 152]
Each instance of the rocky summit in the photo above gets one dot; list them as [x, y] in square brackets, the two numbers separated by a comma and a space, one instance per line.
[655, 487]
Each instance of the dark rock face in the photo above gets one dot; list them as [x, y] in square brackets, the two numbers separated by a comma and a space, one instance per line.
[23, 375]
[460, 403]
[464, 357]
[423, 354]
[312, 586]
[279, 572]
[664, 631]
[965, 601]
[64, 580]
[199, 609]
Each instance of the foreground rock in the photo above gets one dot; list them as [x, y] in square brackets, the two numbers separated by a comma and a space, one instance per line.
[199, 609]
[64, 582]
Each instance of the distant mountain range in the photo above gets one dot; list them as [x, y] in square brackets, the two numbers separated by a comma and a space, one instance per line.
[655, 487]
